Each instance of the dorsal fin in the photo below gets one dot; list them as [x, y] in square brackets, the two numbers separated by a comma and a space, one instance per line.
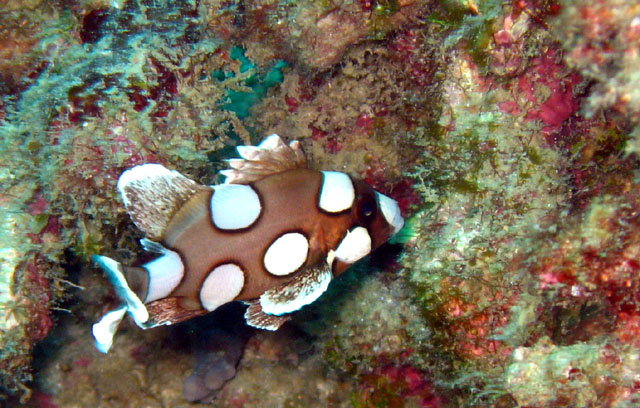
[271, 156]
[152, 194]
[188, 213]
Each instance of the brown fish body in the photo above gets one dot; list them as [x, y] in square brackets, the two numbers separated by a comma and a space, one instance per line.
[273, 235]
[287, 200]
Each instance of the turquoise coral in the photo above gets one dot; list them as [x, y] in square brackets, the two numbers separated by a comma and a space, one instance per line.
[241, 101]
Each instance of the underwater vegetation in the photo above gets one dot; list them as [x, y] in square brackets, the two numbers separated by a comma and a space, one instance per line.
[506, 131]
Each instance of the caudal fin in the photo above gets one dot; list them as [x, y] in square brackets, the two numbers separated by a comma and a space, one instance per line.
[106, 327]
[104, 330]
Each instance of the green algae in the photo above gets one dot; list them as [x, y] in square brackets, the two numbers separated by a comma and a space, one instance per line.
[472, 23]
[381, 11]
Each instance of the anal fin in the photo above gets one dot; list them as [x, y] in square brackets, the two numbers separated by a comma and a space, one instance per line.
[255, 317]
[169, 311]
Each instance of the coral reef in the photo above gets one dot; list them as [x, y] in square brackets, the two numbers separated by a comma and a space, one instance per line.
[520, 203]
[314, 34]
[507, 131]
[548, 375]
[601, 40]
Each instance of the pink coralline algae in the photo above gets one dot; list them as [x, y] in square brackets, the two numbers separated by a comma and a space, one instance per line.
[545, 92]
[602, 42]
[401, 190]
[395, 387]
[38, 303]
[589, 307]
[406, 48]
[42, 400]
[38, 205]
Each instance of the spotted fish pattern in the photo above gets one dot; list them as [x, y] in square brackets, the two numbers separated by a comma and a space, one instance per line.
[273, 235]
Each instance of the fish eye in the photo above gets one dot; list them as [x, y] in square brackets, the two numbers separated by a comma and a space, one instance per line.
[366, 209]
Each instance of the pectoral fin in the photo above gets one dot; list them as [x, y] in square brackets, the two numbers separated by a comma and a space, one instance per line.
[303, 289]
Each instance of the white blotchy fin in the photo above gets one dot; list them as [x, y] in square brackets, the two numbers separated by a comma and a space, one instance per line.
[234, 206]
[302, 290]
[255, 317]
[271, 156]
[165, 272]
[152, 194]
[337, 192]
[104, 330]
[132, 302]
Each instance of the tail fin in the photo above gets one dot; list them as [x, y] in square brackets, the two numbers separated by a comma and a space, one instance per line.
[104, 330]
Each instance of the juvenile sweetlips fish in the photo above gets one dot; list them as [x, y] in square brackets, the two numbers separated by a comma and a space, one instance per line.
[273, 236]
